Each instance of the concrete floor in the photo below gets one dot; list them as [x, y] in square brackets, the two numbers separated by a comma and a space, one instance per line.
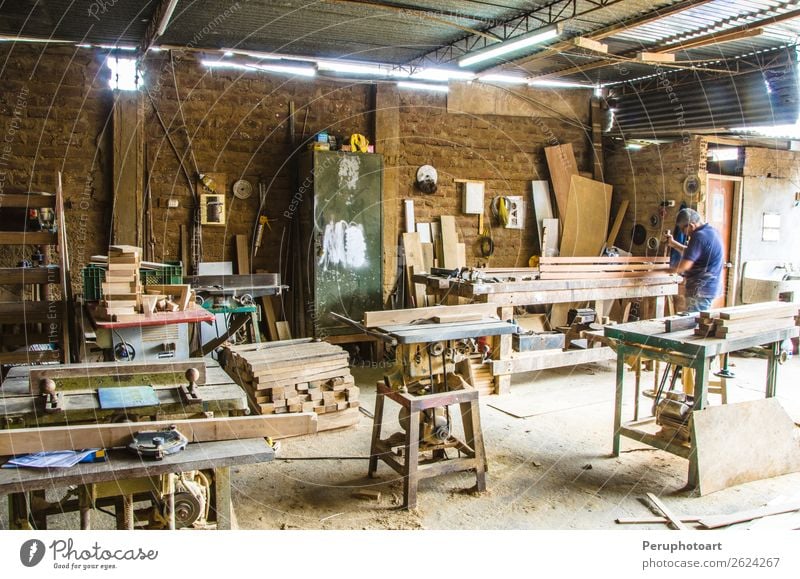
[552, 470]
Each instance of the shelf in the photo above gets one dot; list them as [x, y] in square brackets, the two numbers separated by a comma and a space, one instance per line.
[30, 275]
[28, 200]
[30, 312]
[26, 357]
[28, 238]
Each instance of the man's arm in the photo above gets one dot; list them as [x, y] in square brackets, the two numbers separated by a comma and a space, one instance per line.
[670, 241]
[684, 266]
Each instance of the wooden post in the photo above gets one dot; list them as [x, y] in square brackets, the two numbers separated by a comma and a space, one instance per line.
[128, 147]
[387, 142]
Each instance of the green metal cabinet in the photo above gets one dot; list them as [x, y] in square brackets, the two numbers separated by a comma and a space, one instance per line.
[341, 235]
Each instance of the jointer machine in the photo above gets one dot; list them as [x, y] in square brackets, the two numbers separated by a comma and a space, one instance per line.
[42, 397]
[435, 353]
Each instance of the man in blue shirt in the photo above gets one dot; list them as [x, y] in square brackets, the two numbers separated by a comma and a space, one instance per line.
[701, 259]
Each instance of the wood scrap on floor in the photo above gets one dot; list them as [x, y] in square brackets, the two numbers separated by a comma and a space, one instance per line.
[743, 442]
[295, 376]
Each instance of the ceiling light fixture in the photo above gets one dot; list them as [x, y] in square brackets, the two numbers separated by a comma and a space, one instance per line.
[283, 68]
[503, 78]
[511, 45]
[559, 84]
[442, 74]
[351, 68]
[423, 86]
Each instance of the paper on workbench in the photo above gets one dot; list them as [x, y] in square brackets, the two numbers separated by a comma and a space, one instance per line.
[56, 459]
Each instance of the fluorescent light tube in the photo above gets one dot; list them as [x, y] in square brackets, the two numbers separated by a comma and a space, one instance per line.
[442, 74]
[511, 45]
[504, 78]
[423, 86]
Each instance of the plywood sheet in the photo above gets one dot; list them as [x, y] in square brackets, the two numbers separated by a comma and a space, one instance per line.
[542, 206]
[550, 238]
[739, 443]
[562, 166]
[586, 222]
[449, 242]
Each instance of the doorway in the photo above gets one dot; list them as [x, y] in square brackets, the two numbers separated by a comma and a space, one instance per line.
[722, 210]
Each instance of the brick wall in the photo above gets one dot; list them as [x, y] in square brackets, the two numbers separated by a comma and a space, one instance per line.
[54, 107]
[506, 152]
[237, 123]
[649, 176]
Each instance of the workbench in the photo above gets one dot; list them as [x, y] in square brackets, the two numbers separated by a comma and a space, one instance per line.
[124, 477]
[648, 339]
[509, 293]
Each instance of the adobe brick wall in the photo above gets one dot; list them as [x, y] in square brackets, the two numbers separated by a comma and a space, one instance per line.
[237, 122]
[648, 176]
[54, 107]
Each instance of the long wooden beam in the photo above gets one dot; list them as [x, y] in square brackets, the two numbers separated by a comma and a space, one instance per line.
[52, 438]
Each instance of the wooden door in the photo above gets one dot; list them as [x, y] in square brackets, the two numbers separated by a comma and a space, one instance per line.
[719, 214]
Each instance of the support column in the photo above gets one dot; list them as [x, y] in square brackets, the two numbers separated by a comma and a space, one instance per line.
[387, 143]
[128, 147]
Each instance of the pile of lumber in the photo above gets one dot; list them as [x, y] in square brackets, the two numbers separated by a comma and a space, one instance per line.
[602, 267]
[748, 319]
[293, 376]
[122, 289]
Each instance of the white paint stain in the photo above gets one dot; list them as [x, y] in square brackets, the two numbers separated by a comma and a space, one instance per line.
[349, 168]
[343, 245]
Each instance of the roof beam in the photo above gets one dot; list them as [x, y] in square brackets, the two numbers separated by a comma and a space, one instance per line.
[160, 20]
[422, 13]
[554, 12]
[737, 33]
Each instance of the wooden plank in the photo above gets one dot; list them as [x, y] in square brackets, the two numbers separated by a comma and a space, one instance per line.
[411, 226]
[242, 255]
[284, 333]
[28, 357]
[389, 317]
[586, 221]
[185, 248]
[717, 521]
[653, 520]
[28, 200]
[542, 207]
[114, 370]
[675, 521]
[427, 255]
[603, 260]
[550, 238]
[774, 311]
[462, 317]
[27, 238]
[602, 267]
[128, 168]
[269, 315]
[28, 440]
[599, 275]
[530, 362]
[756, 325]
[449, 242]
[461, 255]
[612, 235]
[562, 165]
[415, 263]
[26, 275]
[29, 312]
[743, 442]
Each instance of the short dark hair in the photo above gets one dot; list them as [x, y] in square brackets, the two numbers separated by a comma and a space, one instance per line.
[687, 216]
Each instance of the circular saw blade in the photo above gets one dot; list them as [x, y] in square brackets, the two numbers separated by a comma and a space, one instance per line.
[242, 189]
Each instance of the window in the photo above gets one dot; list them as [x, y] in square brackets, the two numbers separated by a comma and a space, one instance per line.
[124, 74]
[771, 227]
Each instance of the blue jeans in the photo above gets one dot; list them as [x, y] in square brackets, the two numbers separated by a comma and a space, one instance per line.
[698, 304]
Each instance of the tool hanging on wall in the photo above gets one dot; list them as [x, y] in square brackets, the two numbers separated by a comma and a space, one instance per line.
[499, 208]
[359, 143]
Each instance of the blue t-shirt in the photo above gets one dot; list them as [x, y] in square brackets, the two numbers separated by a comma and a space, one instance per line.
[703, 279]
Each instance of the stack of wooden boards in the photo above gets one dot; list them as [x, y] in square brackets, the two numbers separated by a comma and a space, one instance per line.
[748, 319]
[602, 267]
[122, 289]
[293, 376]
[124, 296]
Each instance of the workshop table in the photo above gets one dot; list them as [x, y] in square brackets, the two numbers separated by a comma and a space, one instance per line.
[648, 340]
[122, 467]
[508, 293]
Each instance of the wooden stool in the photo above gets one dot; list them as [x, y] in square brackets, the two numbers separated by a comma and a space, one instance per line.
[410, 466]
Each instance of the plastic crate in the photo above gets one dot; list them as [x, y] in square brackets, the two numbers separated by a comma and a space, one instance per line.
[169, 275]
[93, 277]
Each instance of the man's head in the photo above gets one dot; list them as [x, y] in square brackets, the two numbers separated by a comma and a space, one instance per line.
[688, 221]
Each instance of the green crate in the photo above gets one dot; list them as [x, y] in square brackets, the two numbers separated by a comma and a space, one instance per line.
[169, 275]
[95, 275]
